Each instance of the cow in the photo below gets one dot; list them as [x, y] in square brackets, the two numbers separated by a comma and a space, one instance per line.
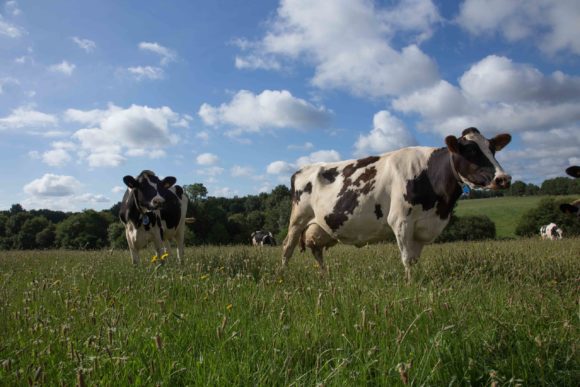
[574, 207]
[261, 238]
[551, 232]
[411, 190]
[153, 210]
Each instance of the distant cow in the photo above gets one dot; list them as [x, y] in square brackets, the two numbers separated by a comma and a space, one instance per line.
[574, 207]
[263, 238]
[153, 210]
[412, 190]
[551, 232]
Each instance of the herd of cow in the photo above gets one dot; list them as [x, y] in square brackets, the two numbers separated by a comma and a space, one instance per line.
[411, 191]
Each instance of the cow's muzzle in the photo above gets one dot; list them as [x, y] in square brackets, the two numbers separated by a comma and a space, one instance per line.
[501, 182]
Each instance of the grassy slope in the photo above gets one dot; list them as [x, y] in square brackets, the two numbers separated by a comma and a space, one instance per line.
[476, 313]
[505, 211]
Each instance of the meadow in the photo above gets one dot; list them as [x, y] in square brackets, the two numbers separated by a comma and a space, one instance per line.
[505, 211]
[503, 312]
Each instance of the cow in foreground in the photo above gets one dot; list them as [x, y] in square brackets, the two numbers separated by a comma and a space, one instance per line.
[153, 210]
[551, 232]
[411, 190]
[263, 238]
[574, 207]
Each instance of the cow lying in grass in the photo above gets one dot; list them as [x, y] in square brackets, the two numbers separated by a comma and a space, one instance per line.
[411, 190]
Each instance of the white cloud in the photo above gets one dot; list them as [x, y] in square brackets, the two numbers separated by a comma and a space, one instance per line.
[388, 134]
[146, 72]
[242, 171]
[9, 29]
[167, 55]
[306, 146]
[86, 44]
[7, 81]
[63, 67]
[248, 112]
[211, 171]
[252, 62]
[118, 189]
[26, 117]
[141, 130]
[553, 24]
[203, 136]
[280, 168]
[56, 157]
[207, 159]
[321, 156]
[12, 8]
[52, 185]
[223, 192]
[361, 61]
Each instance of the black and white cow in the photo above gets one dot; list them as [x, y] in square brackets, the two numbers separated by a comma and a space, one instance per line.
[153, 210]
[411, 190]
[551, 232]
[263, 238]
[574, 207]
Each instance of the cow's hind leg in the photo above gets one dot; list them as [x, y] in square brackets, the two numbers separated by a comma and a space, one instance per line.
[295, 230]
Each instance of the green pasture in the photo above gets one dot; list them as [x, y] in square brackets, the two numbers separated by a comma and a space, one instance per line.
[503, 312]
[505, 212]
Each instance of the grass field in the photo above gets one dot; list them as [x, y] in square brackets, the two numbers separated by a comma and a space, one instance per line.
[505, 212]
[476, 313]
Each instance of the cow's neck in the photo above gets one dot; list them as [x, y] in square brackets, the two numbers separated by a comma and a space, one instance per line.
[444, 180]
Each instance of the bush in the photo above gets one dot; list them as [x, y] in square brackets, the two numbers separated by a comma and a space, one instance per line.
[548, 211]
[468, 228]
[86, 230]
[116, 236]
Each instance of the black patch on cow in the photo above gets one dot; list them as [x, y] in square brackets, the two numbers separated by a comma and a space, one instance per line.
[472, 153]
[308, 188]
[573, 171]
[330, 174]
[298, 193]
[378, 211]
[470, 130]
[435, 185]
[348, 196]
[361, 163]
[345, 204]
[410, 210]
[179, 191]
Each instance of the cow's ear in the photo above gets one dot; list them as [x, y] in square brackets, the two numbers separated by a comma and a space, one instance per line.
[130, 181]
[500, 141]
[168, 181]
[452, 144]
[573, 171]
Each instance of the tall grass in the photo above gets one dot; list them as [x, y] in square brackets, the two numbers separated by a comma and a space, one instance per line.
[476, 313]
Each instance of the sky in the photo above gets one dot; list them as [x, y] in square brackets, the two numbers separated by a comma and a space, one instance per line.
[238, 95]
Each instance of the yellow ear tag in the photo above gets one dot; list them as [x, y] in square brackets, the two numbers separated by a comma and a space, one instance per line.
[154, 259]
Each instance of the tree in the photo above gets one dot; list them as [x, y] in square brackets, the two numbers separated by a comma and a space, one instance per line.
[85, 230]
[468, 228]
[195, 191]
[26, 237]
[518, 188]
[15, 209]
[116, 235]
[556, 186]
[45, 238]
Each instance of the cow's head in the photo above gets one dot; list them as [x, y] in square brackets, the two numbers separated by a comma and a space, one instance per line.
[574, 207]
[473, 157]
[149, 192]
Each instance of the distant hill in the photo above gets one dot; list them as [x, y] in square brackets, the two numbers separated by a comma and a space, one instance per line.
[505, 212]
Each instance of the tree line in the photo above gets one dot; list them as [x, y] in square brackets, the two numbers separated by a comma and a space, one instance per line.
[222, 220]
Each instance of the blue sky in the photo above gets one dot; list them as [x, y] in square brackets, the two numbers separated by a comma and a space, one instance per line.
[238, 95]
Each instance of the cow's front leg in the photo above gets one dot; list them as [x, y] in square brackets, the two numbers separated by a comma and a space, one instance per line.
[295, 229]
[134, 256]
[159, 248]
